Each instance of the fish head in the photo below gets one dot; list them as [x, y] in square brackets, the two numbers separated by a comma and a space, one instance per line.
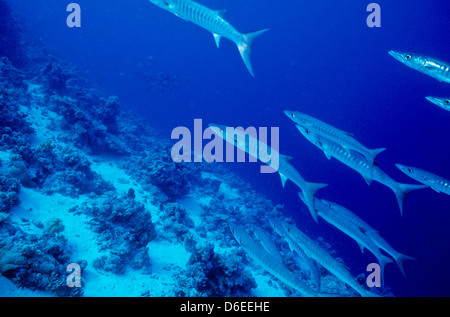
[234, 136]
[288, 228]
[290, 114]
[164, 4]
[237, 232]
[308, 134]
[412, 60]
[277, 226]
[408, 170]
[298, 117]
[329, 204]
[441, 102]
[218, 129]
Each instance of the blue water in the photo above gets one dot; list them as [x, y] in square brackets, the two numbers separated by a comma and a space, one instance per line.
[319, 57]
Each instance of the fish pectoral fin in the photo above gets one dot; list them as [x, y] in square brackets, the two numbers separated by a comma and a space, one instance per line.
[182, 17]
[290, 247]
[283, 179]
[361, 247]
[368, 180]
[348, 133]
[327, 155]
[435, 189]
[217, 38]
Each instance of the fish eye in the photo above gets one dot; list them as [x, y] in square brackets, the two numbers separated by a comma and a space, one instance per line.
[408, 56]
[410, 170]
[166, 3]
[292, 115]
[447, 102]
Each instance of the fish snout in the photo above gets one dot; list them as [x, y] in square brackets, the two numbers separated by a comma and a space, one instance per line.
[398, 56]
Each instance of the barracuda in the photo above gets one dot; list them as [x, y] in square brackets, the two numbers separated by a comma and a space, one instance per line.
[269, 263]
[429, 66]
[212, 21]
[258, 149]
[322, 257]
[438, 183]
[266, 242]
[346, 225]
[371, 233]
[306, 262]
[361, 165]
[344, 139]
[444, 103]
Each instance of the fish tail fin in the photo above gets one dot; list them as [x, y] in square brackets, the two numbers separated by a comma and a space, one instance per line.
[400, 259]
[309, 196]
[245, 48]
[374, 153]
[383, 260]
[405, 189]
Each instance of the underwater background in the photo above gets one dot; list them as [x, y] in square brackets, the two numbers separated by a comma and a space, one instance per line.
[319, 58]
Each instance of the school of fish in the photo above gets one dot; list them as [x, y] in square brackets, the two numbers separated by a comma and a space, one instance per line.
[335, 143]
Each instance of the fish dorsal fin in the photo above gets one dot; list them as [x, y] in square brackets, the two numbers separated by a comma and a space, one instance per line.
[217, 38]
[221, 13]
[283, 179]
[348, 133]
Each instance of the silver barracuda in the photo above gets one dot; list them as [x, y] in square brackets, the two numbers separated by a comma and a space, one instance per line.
[429, 66]
[444, 103]
[349, 228]
[371, 233]
[438, 183]
[255, 148]
[361, 165]
[306, 263]
[266, 242]
[344, 139]
[269, 263]
[322, 257]
[212, 21]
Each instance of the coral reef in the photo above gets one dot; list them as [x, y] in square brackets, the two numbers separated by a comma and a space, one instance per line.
[175, 222]
[209, 274]
[9, 189]
[37, 262]
[173, 179]
[125, 228]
